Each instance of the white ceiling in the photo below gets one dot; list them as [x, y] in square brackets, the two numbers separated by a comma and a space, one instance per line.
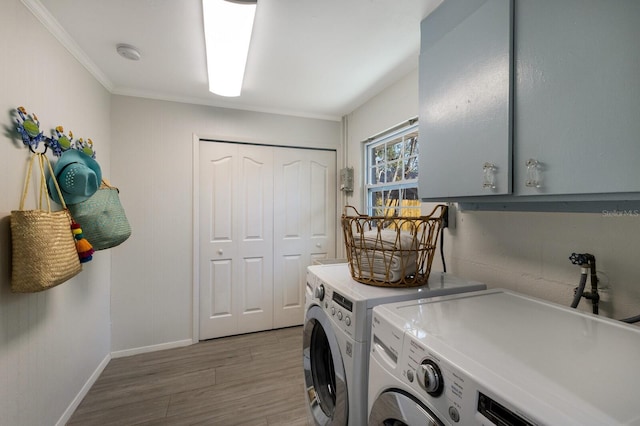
[311, 58]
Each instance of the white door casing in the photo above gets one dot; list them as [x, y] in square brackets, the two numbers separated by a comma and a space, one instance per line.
[265, 213]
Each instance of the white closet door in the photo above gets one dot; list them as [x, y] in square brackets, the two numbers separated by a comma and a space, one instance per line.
[304, 225]
[236, 239]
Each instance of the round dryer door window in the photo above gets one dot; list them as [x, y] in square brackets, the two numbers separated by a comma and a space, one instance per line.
[397, 408]
[323, 370]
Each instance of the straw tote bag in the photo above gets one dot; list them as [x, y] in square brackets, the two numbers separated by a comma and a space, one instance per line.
[44, 251]
[102, 218]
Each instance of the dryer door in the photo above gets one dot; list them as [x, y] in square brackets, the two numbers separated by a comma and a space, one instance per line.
[323, 370]
[396, 408]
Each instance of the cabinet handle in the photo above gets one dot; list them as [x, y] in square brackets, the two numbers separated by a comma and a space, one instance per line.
[489, 176]
[533, 174]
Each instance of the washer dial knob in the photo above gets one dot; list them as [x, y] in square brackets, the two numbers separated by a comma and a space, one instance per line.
[430, 377]
[320, 292]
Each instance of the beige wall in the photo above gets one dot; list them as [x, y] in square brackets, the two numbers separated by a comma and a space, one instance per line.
[527, 252]
[152, 159]
[392, 106]
[51, 343]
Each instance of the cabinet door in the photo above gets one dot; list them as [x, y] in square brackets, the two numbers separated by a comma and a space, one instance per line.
[465, 99]
[577, 96]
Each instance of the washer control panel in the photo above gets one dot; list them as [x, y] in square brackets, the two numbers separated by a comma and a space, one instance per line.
[448, 393]
[339, 308]
[453, 395]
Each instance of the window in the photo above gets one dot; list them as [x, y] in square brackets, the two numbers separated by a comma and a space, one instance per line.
[391, 180]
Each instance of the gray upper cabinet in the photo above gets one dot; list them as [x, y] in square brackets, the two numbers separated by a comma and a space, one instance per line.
[465, 123]
[577, 97]
[557, 112]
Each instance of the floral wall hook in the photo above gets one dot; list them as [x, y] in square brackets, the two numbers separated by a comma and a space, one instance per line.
[59, 142]
[29, 129]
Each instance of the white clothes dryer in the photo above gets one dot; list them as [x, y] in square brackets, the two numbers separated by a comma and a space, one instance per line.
[497, 357]
[337, 329]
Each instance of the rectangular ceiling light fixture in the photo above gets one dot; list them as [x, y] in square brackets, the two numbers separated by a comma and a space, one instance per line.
[227, 31]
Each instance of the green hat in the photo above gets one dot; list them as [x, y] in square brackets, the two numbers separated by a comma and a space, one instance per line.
[79, 177]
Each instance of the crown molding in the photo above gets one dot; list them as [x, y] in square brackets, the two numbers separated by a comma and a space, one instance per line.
[135, 93]
[54, 27]
[50, 23]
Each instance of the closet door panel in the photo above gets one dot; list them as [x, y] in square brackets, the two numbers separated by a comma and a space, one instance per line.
[305, 187]
[236, 239]
[265, 213]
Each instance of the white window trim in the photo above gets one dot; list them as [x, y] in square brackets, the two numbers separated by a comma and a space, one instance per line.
[397, 131]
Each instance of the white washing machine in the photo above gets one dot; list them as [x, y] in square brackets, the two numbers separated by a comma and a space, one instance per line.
[497, 357]
[337, 329]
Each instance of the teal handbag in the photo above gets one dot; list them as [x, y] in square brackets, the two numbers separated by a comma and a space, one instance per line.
[102, 218]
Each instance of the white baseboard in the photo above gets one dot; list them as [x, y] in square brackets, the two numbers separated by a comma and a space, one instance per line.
[152, 348]
[83, 392]
[117, 354]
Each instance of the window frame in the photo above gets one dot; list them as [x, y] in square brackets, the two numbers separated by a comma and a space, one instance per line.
[370, 187]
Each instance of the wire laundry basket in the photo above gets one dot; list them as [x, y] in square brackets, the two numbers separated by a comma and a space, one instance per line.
[391, 251]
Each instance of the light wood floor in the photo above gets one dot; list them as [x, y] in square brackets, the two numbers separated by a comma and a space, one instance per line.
[252, 379]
